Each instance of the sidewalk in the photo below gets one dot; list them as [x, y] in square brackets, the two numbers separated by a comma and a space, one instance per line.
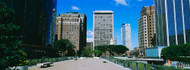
[82, 64]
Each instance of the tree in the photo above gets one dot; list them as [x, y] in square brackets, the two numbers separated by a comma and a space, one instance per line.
[9, 39]
[102, 48]
[87, 51]
[97, 53]
[175, 52]
[63, 46]
[117, 49]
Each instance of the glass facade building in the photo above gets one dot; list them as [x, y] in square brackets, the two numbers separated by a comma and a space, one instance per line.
[172, 22]
[126, 35]
[36, 18]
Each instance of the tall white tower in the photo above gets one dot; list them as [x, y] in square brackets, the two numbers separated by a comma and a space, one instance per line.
[126, 35]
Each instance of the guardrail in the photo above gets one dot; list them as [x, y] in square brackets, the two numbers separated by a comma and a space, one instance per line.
[42, 60]
[137, 65]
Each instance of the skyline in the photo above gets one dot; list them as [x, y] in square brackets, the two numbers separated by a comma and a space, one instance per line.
[125, 11]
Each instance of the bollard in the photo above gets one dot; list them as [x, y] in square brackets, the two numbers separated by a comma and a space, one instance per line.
[37, 61]
[144, 66]
[119, 62]
[116, 61]
[126, 64]
[42, 60]
[123, 63]
[136, 66]
[30, 62]
[131, 64]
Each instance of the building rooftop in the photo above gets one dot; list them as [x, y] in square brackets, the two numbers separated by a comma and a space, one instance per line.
[128, 25]
[103, 11]
[71, 12]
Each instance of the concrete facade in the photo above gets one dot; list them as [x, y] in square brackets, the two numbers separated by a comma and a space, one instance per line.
[102, 27]
[146, 28]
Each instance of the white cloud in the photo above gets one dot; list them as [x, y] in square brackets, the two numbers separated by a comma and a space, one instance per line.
[90, 33]
[75, 8]
[90, 39]
[122, 2]
[90, 36]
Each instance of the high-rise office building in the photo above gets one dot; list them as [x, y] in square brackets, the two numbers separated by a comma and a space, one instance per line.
[36, 18]
[102, 27]
[172, 22]
[126, 35]
[146, 27]
[72, 26]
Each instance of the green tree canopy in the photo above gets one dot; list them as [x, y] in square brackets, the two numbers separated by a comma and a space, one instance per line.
[118, 49]
[102, 48]
[65, 45]
[97, 52]
[9, 39]
[175, 51]
[87, 52]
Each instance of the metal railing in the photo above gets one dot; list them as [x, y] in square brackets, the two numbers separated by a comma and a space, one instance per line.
[42, 60]
[137, 65]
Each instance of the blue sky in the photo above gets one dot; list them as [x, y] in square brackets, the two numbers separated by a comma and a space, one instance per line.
[125, 11]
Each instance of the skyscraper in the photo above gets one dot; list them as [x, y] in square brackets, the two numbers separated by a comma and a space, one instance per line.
[72, 26]
[126, 35]
[102, 27]
[146, 27]
[172, 22]
[37, 20]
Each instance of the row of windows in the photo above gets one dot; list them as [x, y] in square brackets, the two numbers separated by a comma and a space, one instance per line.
[70, 25]
[102, 30]
[71, 29]
[70, 20]
[103, 16]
